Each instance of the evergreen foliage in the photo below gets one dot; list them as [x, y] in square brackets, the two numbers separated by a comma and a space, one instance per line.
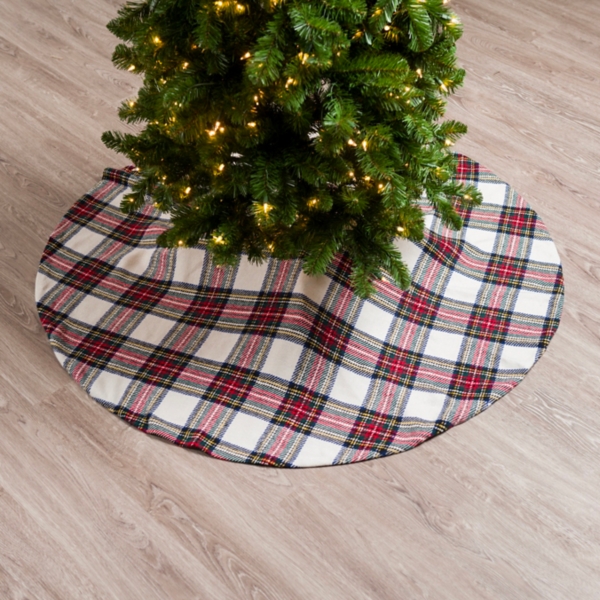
[293, 128]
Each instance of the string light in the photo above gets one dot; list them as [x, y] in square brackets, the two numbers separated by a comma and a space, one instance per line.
[313, 202]
[181, 242]
[351, 174]
[157, 40]
[187, 190]
[185, 65]
[367, 178]
[351, 143]
[386, 28]
[240, 8]
[131, 103]
[218, 239]
[212, 132]
[131, 68]
[267, 208]
[252, 124]
[364, 145]
[400, 229]
[247, 55]
[443, 87]
[221, 167]
[448, 142]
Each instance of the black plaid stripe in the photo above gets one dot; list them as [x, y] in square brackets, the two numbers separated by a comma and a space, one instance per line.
[86, 275]
[419, 306]
[329, 336]
[467, 170]
[85, 210]
[300, 409]
[491, 324]
[506, 271]
[98, 348]
[373, 431]
[124, 177]
[470, 382]
[517, 220]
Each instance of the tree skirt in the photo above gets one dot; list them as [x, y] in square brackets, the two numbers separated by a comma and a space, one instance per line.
[265, 365]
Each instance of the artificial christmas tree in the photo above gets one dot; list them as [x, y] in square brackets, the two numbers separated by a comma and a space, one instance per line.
[292, 128]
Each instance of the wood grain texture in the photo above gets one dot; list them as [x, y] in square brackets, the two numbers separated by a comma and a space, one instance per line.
[502, 507]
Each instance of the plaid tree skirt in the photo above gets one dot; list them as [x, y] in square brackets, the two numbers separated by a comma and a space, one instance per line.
[265, 365]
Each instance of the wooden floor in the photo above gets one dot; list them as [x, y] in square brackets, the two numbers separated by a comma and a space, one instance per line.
[506, 506]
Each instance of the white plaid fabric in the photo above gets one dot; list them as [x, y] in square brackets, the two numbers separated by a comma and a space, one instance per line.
[263, 364]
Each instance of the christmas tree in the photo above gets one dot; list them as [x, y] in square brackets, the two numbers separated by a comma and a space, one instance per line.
[291, 128]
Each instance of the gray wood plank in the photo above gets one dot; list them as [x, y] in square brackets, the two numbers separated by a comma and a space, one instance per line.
[503, 506]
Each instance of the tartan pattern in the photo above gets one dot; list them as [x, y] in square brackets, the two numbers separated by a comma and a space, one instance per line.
[265, 365]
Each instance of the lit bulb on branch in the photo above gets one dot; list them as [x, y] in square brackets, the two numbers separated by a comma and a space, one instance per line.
[212, 132]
